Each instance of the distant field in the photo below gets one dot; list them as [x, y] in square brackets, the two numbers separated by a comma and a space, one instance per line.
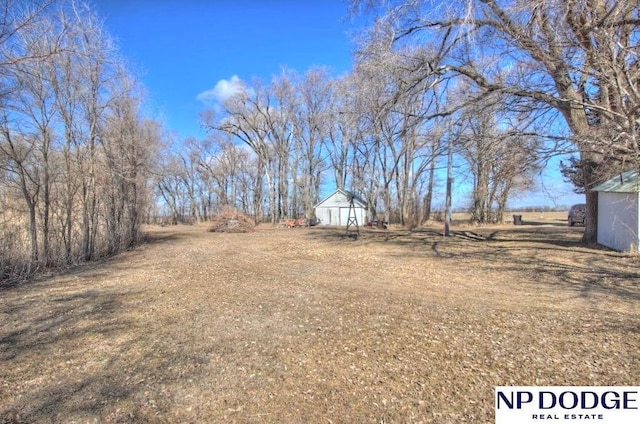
[553, 217]
[308, 325]
[541, 215]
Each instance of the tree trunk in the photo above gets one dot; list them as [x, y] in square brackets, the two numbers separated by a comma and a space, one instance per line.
[579, 125]
[33, 231]
[591, 197]
[429, 197]
[447, 203]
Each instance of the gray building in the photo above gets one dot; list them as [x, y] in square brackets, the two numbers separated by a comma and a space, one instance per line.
[618, 206]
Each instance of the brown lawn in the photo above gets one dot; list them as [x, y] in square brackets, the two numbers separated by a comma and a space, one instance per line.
[309, 326]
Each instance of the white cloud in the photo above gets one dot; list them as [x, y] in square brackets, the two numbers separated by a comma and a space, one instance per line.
[223, 90]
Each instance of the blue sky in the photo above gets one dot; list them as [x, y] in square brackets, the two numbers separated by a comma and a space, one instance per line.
[185, 51]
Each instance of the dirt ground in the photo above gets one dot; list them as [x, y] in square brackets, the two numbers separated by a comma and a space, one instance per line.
[310, 326]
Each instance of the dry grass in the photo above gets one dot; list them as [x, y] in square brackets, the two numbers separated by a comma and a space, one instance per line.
[307, 325]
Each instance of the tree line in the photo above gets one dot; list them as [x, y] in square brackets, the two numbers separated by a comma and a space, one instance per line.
[380, 132]
[503, 86]
[497, 88]
[74, 147]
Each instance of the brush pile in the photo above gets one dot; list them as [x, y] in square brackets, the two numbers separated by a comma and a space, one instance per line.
[232, 221]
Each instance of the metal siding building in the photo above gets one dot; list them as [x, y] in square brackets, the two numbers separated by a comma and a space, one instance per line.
[334, 210]
[618, 212]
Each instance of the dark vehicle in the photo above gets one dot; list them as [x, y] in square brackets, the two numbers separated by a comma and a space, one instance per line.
[577, 214]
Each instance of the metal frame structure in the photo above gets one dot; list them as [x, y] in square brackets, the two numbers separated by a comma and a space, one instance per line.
[352, 220]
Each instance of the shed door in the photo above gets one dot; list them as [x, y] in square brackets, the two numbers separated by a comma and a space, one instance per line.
[335, 216]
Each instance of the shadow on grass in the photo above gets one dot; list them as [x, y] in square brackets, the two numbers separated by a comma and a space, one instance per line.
[74, 354]
[73, 350]
[551, 255]
[546, 222]
[157, 237]
[58, 318]
[43, 325]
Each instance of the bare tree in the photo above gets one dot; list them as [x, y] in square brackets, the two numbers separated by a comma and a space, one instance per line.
[311, 110]
[399, 106]
[17, 18]
[127, 146]
[219, 165]
[231, 169]
[499, 162]
[28, 41]
[342, 129]
[258, 119]
[72, 141]
[199, 178]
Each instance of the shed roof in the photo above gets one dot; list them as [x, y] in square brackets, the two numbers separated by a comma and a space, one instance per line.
[625, 182]
[356, 200]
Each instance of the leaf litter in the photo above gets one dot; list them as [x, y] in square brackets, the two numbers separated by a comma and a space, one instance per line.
[308, 325]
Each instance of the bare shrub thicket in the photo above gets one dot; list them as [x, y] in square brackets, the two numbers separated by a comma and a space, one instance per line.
[74, 150]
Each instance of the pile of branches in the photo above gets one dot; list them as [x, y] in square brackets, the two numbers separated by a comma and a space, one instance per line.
[231, 221]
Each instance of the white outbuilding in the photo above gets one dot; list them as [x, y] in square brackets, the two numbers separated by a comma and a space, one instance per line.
[334, 209]
[618, 207]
